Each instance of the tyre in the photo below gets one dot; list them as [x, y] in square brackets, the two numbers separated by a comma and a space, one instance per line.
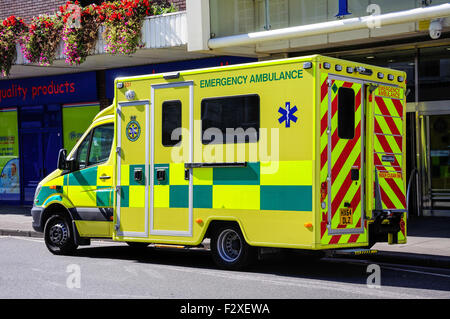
[58, 236]
[229, 248]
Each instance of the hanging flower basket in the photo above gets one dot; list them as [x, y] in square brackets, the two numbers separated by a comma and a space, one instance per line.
[10, 30]
[39, 44]
[80, 32]
[123, 20]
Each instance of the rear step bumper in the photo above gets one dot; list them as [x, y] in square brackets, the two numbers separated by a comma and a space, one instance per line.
[386, 222]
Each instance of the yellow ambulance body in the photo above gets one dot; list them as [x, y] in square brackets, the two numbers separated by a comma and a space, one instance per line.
[304, 153]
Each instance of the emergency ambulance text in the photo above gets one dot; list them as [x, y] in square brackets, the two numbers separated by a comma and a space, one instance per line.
[254, 78]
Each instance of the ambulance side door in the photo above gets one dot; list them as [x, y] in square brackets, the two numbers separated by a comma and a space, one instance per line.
[90, 187]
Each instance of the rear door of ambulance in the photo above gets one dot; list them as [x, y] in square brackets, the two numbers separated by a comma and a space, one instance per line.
[388, 174]
[342, 161]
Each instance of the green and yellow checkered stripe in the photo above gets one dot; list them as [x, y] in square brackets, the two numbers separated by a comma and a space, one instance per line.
[283, 186]
[84, 188]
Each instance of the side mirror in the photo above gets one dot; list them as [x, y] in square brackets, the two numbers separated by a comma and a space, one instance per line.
[62, 163]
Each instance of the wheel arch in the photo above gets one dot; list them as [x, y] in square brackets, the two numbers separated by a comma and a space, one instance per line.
[55, 209]
[214, 223]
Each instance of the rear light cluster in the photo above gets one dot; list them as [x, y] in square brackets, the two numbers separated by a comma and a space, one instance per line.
[323, 193]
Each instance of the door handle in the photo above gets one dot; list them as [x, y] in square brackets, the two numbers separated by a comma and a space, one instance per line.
[138, 175]
[105, 177]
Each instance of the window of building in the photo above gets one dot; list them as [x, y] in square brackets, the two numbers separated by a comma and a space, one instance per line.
[434, 73]
[171, 120]
[346, 113]
[231, 119]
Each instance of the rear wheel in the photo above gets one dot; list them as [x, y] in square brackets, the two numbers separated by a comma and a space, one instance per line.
[229, 248]
[58, 236]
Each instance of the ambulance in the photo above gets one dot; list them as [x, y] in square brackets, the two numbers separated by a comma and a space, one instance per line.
[305, 153]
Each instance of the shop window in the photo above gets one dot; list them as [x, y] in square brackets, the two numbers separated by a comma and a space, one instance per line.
[440, 151]
[346, 113]
[9, 156]
[76, 120]
[233, 119]
[171, 120]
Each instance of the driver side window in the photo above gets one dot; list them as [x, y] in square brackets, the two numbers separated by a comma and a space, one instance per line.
[83, 151]
[96, 147]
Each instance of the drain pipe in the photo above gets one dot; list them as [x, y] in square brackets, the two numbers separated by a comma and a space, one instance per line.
[426, 13]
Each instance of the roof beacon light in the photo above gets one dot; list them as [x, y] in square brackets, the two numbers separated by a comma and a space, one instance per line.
[363, 70]
[171, 76]
[307, 65]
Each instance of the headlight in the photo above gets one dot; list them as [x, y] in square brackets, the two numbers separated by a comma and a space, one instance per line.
[36, 193]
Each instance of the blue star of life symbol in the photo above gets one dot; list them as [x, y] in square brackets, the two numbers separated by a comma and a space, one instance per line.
[287, 114]
[133, 130]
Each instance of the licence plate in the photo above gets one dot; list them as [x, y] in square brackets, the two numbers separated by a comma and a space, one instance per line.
[346, 216]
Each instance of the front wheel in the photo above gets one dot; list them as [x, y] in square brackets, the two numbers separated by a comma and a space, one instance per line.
[229, 248]
[59, 236]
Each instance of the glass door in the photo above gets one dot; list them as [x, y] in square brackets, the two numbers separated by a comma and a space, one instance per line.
[439, 161]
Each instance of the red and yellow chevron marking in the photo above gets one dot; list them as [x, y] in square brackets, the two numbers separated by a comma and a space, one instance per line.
[345, 155]
[324, 147]
[388, 144]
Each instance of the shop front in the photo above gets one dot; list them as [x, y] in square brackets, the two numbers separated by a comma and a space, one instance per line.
[35, 122]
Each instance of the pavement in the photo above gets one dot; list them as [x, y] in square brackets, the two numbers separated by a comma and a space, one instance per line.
[428, 238]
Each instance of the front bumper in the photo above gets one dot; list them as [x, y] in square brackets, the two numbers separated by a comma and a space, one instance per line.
[36, 213]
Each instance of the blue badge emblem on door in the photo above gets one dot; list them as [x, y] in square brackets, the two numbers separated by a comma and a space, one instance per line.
[133, 129]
